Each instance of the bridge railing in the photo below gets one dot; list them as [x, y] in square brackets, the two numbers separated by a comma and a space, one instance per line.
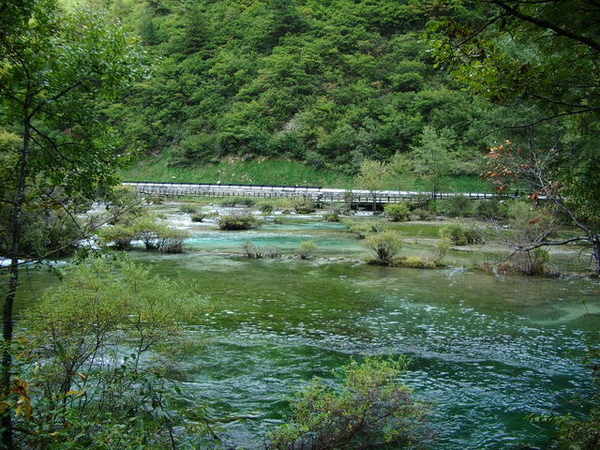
[174, 189]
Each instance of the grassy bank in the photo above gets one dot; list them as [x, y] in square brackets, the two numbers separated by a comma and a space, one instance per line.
[282, 172]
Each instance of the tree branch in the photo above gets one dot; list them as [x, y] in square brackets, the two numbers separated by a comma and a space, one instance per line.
[547, 25]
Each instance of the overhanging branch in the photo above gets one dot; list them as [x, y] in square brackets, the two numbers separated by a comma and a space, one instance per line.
[547, 25]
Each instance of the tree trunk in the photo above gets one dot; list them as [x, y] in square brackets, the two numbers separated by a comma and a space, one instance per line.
[13, 283]
[596, 253]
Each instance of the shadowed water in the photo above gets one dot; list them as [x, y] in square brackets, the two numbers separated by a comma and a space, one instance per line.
[486, 351]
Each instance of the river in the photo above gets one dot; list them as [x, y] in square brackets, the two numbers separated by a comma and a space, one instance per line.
[486, 350]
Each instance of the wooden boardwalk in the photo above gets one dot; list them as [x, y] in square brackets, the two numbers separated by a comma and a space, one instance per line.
[318, 194]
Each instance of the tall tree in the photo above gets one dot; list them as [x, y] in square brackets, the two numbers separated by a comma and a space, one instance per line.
[546, 55]
[56, 67]
[372, 177]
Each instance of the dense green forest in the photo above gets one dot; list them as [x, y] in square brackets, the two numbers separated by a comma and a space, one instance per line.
[329, 83]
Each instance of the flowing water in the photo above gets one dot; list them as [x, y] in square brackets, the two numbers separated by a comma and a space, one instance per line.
[486, 350]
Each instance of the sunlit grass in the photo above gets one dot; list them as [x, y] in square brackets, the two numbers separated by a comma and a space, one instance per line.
[285, 172]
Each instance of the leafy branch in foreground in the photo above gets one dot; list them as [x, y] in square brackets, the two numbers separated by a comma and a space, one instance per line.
[98, 347]
[372, 407]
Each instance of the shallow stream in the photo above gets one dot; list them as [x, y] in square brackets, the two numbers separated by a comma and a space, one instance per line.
[486, 350]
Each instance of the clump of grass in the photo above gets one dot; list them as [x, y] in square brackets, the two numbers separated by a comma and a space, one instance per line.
[460, 235]
[363, 228]
[238, 221]
[307, 249]
[238, 201]
[187, 209]
[251, 250]
[331, 216]
[304, 205]
[415, 262]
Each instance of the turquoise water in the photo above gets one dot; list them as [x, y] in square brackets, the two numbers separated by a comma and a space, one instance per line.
[486, 350]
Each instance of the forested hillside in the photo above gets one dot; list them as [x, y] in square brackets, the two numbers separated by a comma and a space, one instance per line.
[326, 82]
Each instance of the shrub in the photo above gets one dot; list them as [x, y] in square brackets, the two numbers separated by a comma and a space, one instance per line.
[490, 209]
[457, 206]
[371, 407]
[442, 249]
[120, 236]
[238, 201]
[422, 214]
[459, 235]
[251, 250]
[46, 230]
[273, 251]
[265, 208]
[527, 262]
[307, 249]
[171, 241]
[304, 205]
[416, 262]
[238, 221]
[85, 390]
[331, 216]
[148, 230]
[397, 212]
[385, 245]
[362, 228]
[530, 223]
[187, 209]
[198, 217]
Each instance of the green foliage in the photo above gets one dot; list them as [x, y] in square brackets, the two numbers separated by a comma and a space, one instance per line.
[93, 331]
[171, 240]
[432, 158]
[238, 201]
[537, 58]
[397, 212]
[363, 228]
[265, 207]
[330, 84]
[385, 246]
[416, 262]
[456, 206]
[121, 236]
[188, 209]
[331, 216]
[527, 262]
[442, 249]
[238, 221]
[529, 223]
[149, 230]
[371, 175]
[462, 235]
[490, 209]
[251, 250]
[304, 205]
[307, 249]
[575, 432]
[154, 234]
[368, 407]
